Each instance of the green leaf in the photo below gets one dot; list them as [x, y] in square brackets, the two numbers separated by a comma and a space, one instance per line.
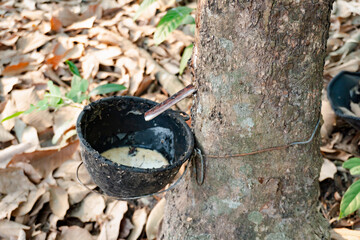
[185, 58]
[188, 20]
[355, 170]
[352, 162]
[42, 104]
[73, 68]
[84, 84]
[82, 97]
[78, 87]
[107, 88]
[75, 83]
[351, 200]
[172, 19]
[192, 29]
[55, 98]
[54, 90]
[12, 116]
[143, 6]
[31, 109]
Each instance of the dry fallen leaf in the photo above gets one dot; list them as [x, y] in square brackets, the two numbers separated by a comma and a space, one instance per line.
[53, 236]
[93, 10]
[72, 53]
[59, 203]
[171, 67]
[40, 235]
[13, 180]
[115, 20]
[352, 66]
[87, 23]
[55, 24]
[90, 208]
[7, 56]
[154, 220]
[26, 207]
[66, 16]
[11, 201]
[341, 9]
[75, 52]
[329, 117]
[38, 119]
[75, 191]
[136, 81]
[22, 235]
[8, 83]
[45, 198]
[139, 220]
[8, 110]
[328, 170]
[105, 56]
[64, 119]
[10, 41]
[355, 108]
[89, 65]
[55, 60]
[33, 14]
[5, 135]
[53, 220]
[344, 234]
[74, 232]
[67, 171]
[114, 212]
[15, 69]
[344, 9]
[11, 229]
[7, 153]
[335, 154]
[125, 227]
[349, 45]
[29, 170]
[29, 134]
[31, 41]
[45, 161]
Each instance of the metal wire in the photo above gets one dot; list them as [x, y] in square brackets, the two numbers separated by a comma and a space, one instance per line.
[270, 148]
[198, 153]
[311, 137]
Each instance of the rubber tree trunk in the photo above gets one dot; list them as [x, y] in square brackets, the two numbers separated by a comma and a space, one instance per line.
[258, 67]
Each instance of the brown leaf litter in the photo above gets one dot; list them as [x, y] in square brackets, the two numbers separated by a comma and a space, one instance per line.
[40, 195]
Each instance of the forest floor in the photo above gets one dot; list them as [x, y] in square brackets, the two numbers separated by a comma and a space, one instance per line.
[40, 197]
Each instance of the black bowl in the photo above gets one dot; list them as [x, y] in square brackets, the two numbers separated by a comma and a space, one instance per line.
[119, 121]
[338, 92]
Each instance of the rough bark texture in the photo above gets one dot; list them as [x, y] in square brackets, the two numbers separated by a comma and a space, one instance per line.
[258, 67]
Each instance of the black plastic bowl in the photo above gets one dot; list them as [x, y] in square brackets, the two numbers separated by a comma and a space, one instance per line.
[338, 92]
[119, 121]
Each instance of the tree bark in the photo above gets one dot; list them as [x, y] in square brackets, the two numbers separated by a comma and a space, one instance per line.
[258, 68]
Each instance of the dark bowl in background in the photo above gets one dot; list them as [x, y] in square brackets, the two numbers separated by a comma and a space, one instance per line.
[119, 121]
[338, 93]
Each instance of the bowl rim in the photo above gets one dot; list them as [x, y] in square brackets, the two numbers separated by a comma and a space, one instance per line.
[329, 88]
[173, 114]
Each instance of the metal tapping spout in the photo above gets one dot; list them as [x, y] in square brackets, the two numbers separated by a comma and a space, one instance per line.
[168, 103]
